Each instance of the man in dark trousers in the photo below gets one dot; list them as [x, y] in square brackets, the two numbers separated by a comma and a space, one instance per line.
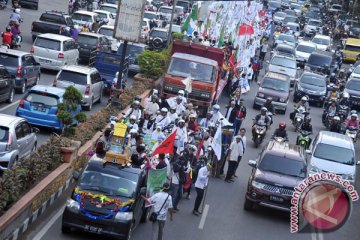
[240, 115]
[230, 112]
[236, 150]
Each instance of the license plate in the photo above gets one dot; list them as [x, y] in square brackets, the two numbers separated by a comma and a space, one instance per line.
[92, 229]
[276, 199]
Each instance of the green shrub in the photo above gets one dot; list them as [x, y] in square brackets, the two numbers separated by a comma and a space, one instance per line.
[177, 35]
[153, 64]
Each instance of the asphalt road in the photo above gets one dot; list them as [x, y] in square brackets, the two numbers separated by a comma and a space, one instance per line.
[226, 219]
[47, 76]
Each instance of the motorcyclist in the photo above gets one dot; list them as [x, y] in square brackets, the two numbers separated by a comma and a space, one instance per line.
[281, 132]
[303, 103]
[262, 118]
[132, 123]
[163, 118]
[270, 107]
[217, 116]
[334, 94]
[7, 37]
[15, 16]
[330, 110]
[345, 99]
[146, 123]
[173, 115]
[352, 122]
[332, 78]
[179, 105]
[335, 125]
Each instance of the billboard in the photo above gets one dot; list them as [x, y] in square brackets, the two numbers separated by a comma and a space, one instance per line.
[129, 19]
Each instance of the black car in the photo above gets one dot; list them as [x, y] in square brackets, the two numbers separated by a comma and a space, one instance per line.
[321, 61]
[106, 200]
[34, 4]
[353, 89]
[157, 39]
[7, 84]
[90, 43]
[311, 85]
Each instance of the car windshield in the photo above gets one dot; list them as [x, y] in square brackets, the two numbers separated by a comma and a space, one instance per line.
[4, 134]
[131, 50]
[275, 84]
[87, 39]
[47, 43]
[283, 62]
[305, 48]
[313, 80]
[42, 97]
[149, 15]
[106, 32]
[319, 60]
[144, 23]
[197, 71]
[165, 10]
[355, 24]
[295, 6]
[107, 183]
[280, 14]
[315, 23]
[334, 153]
[293, 28]
[9, 60]
[285, 37]
[275, 4]
[356, 70]
[159, 34]
[109, 9]
[290, 19]
[74, 77]
[353, 85]
[183, 4]
[282, 165]
[352, 48]
[321, 41]
[102, 15]
[285, 50]
[81, 17]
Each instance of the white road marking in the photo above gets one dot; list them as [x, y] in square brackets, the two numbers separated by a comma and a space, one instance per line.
[203, 216]
[49, 224]
[10, 105]
[317, 236]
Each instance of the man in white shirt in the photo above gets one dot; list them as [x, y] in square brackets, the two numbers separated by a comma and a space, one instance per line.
[134, 110]
[163, 118]
[157, 134]
[243, 144]
[152, 106]
[179, 106]
[207, 122]
[235, 151]
[173, 115]
[181, 135]
[200, 186]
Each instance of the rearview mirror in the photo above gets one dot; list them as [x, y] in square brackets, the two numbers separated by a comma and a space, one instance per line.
[252, 163]
[76, 175]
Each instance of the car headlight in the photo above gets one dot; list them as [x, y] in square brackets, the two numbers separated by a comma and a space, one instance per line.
[261, 95]
[125, 216]
[258, 185]
[72, 205]
[348, 177]
[314, 170]
[282, 100]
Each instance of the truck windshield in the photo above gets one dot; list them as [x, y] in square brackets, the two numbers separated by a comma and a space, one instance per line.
[198, 71]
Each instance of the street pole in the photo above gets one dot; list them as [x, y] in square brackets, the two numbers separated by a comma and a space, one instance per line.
[171, 22]
[119, 88]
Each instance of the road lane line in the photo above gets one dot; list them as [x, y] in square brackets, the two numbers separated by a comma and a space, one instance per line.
[10, 105]
[49, 224]
[203, 216]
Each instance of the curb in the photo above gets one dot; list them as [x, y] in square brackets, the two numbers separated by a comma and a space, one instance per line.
[38, 212]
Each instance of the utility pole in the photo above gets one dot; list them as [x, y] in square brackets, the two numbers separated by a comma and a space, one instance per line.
[171, 22]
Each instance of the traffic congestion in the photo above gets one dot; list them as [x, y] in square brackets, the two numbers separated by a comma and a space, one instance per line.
[218, 148]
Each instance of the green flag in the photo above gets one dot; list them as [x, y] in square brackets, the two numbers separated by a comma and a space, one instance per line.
[221, 38]
[191, 21]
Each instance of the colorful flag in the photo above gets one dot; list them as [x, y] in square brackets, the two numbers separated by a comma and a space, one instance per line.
[155, 180]
[167, 146]
[216, 144]
[221, 38]
[190, 23]
[188, 84]
[200, 148]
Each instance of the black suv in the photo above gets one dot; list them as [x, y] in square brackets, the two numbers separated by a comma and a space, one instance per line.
[279, 168]
[157, 39]
[106, 200]
[312, 85]
[321, 61]
[353, 89]
[89, 44]
[7, 84]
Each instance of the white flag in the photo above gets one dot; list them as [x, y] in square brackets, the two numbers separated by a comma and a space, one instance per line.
[187, 83]
[216, 143]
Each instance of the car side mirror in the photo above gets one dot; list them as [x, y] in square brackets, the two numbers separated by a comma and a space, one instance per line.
[267, 61]
[76, 175]
[35, 130]
[143, 191]
[252, 163]
[358, 163]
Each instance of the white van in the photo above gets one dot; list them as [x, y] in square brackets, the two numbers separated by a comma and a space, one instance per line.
[82, 17]
[54, 51]
[333, 153]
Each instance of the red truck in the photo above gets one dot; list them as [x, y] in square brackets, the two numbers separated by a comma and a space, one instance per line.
[203, 64]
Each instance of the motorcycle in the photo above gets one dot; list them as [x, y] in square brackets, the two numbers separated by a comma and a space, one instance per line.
[299, 118]
[352, 132]
[2, 4]
[259, 134]
[304, 139]
[16, 42]
[343, 112]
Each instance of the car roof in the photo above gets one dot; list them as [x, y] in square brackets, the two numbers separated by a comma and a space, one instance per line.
[13, 52]
[98, 161]
[307, 43]
[160, 29]
[292, 24]
[195, 58]
[288, 57]
[321, 36]
[314, 20]
[337, 139]
[324, 53]
[48, 89]
[107, 27]
[286, 150]
[79, 69]
[101, 11]
[284, 45]
[55, 36]
[277, 76]
[91, 34]
[9, 120]
[86, 12]
[353, 41]
[109, 5]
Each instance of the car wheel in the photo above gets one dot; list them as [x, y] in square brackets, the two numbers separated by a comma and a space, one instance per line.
[23, 88]
[37, 80]
[130, 231]
[248, 205]
[255, 106]
[11, 96]
[65, 230]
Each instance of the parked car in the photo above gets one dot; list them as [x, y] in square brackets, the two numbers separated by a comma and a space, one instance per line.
[276, 86]
[279, 17]
[355, 72]
[185, 4]
[311, 85]
[165, 13]
[290, 12]
[279, 168]
[34, 4]
[321, 61]
[322, 42]
[284, 65]
[303, 51]
[82, 17]
[151, 15]
[286, 39]
[313, 27]
[54, 51]
[158, 38]
[145, 28]
[294, 28]
[334, 153]
[117, 183]
[109, 7]
[86, 79]
[22, 66]
[7, 84]
[90, 43]
[174, 28]
[290, 19]
[40, 106]
[274, 6]
[17, 140]
[108, 31]
[297, 8]
[106, 16]
[352, 87]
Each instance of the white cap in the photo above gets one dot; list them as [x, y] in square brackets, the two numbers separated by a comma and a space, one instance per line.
[159, 126]
[216, 106]
[136, 102]
[181, 121]
[133, 131]
[164, 110]
[181, 92]
[304, 98]
[112, 123]
[132, 117]
[192, 115]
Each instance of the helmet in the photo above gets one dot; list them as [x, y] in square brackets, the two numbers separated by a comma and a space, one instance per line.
[17, 10]
[192, 116]
[164, 110]
[138, 98]
[333, 74]
[181, 121]
[76, 27]
[210, 113]
[263, 109]
[354, 115]
[304, 98]
[192, 147]
[345, 95]
[173, 108]
[67, 29]
[8, 29]
[216, 107]
[337, 118]
[136, 102]
[353, 112]
[181, 92]
[133, 131]
[132, 117]
[190, 105]
[282, 125]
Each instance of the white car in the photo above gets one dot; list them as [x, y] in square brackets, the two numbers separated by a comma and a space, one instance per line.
[145, 28]
[294, 28]
[108, 16]
[109, 7]
[53, 51]
[312, 27]
[355, 72]
[304, 50]
[322, 42]
[84, 17]
[279, 17]
[297, 8]
[174, 28]
[284, 65]
[165, 13]
[108, 31]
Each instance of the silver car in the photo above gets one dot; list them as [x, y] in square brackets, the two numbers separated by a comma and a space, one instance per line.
[284, 65]
[86, 79]
[17, 140]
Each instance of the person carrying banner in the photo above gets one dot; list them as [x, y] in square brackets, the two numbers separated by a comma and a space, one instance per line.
[200, 186]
